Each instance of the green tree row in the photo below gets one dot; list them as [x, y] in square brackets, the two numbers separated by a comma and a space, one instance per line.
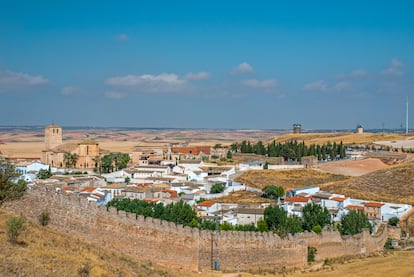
[275, 218]
[314, 218]
[179, 213]
[292, 150]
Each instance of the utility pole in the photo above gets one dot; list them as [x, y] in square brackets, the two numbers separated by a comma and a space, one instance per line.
[215, 243]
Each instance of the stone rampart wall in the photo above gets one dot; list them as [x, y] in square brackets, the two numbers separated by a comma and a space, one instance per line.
[184, 247]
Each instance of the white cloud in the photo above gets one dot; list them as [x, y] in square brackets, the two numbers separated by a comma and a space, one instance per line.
[396, 63]
[123, 37]
[358, 73]
[115, 95]
[11, 78]
[70, 91]
[354, 74]
[242, 68]
[323, 86]
[265, 84]
[394, 68]
[340, 86]
[163, 82]
[197, 76]
[320, 85]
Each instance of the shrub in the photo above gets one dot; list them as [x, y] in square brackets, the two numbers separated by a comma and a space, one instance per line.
[317, 229]
[84, 270]
[388, 244]
[44, 218]
[15, 226]
[393, 221]
[327, 261]
[311, 254]
[217, 188]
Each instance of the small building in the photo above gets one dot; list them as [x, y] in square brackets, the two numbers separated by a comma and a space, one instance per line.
[297, 128]
[294, 205]
[373, 210]
[207, 208]
[309, 161]
[310, 190]
[359, 129]
[249, 215]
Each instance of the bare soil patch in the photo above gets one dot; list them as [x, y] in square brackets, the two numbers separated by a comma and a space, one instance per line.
[352, 167]
[294, 178]
[243, 197]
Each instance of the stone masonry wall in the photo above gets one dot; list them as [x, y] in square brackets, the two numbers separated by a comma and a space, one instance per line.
[187, 248]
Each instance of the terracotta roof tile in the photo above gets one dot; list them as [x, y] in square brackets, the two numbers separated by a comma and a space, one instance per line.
[206, 203]
[298, 199]
[88, 189]
[339, 199]
[373, 204]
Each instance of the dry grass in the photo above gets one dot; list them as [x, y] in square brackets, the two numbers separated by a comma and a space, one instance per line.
[41, 251]
[294, 178]
[29, 144]
[346, 138]
[393, 184]
[243, 197]
[395, 264]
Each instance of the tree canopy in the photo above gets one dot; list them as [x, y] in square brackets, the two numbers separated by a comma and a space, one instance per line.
[315, 215]
[273, 191]
[112, 162]
[44, 174]
[9, 189]
[353, 223]
[179, 213]
[278, 221]
[217, 188]
[70, 159]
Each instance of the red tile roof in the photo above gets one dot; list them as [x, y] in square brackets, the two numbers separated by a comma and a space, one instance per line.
[373, 204]
[151, 200]
[354, 207]
[173, 193]
[206, 203]
[88, 189]
[339, 199]
[298, 199]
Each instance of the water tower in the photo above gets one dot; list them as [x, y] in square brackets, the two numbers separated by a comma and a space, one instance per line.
[297, 128]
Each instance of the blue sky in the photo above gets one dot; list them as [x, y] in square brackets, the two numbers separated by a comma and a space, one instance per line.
[207, 64]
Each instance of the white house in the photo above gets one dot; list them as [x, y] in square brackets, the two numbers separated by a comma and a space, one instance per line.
[294, 205]
[113, 190]
[207, 208]
[249, 215]
[389, 210]
[30, 167]
[305, 191]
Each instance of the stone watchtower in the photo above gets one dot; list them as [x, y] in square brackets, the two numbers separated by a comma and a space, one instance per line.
[53, 136]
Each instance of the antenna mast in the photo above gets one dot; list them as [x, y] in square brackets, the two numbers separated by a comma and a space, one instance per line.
[406, 117]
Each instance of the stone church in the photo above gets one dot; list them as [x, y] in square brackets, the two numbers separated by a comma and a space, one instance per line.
[54, 153]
